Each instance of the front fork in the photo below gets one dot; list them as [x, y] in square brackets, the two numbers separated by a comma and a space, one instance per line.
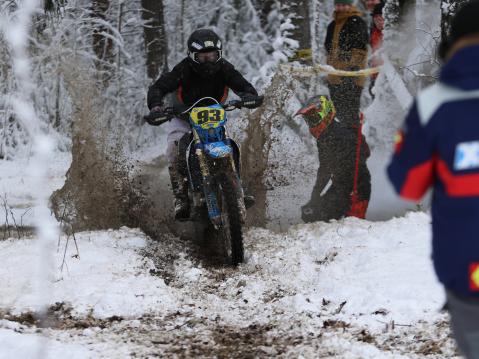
[208, 186]
[238, 188]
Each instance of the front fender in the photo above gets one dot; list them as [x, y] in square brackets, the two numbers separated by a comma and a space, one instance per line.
[218, 149]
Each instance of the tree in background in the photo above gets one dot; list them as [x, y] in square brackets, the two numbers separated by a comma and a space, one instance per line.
[398, 9]
[102, 43]
[448, 9]
[156, 43]
[298, 12]
[53, 5]
[399, 27]
[264, 8]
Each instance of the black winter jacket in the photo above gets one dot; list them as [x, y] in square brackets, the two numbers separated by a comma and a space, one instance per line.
[191, 86]
[346, 44]
[353, 35]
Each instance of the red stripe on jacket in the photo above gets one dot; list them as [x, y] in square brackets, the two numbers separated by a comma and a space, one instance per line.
[458, 185]
[418, 180]
[179, 94]
[225, 94]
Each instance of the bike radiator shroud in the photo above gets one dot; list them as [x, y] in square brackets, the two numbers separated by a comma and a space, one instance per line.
[190, 167]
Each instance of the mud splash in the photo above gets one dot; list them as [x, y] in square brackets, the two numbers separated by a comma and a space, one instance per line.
[103, 189]
[258, 144]
[93, 196]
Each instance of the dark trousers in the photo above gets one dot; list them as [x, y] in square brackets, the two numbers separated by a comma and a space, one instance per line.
[332, 193]
[464, 313]
[347, 99]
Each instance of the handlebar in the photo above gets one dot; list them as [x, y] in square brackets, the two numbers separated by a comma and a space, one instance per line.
[158, 118]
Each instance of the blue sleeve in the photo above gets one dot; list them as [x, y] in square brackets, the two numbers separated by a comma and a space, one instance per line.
[411, 170]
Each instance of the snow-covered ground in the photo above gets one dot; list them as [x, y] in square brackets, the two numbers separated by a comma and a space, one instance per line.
[18, 190]
[347, 289]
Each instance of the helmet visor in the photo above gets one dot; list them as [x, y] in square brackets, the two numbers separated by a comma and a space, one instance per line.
[209, 56]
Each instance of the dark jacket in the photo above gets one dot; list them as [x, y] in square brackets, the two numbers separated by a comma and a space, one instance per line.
[191, 86]
[439, 148]
[346, 44]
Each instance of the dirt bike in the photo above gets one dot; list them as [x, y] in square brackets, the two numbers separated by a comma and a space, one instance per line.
[212, 162]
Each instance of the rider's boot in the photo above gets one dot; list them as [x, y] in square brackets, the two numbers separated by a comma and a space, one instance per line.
[249, 200]
[179, 185]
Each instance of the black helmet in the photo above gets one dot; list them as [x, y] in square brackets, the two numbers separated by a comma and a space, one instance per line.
[204, 41]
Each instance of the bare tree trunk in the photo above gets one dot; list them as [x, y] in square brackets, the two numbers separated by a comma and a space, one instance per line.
[448, 9]
[57, 122]
[396, 11]
[264, 7]
[182, 27]
[102, 44]
[298, 11]
[53, 5]
[155, 37]
[400, 29]
[405, 6]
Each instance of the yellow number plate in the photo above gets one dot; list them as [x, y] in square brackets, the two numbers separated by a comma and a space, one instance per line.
[207, 117]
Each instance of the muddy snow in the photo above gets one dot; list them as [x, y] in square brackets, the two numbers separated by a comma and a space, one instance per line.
[347, 289]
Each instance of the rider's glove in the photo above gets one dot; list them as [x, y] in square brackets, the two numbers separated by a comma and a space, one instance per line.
[151, 121]
[154, 110]
[252, 101]
[157, 108]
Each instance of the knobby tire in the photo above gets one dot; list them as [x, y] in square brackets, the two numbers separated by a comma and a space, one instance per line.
[229, 204]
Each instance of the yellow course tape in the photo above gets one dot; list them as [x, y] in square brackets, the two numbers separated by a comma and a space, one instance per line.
[302, 54]
[328, 70]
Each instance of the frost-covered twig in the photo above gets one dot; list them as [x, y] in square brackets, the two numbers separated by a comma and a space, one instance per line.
[7, 233]
[23, 215]
[15, 224]
[340, 307]
[7, 225]
[76, 246]
[65, 254]
[418, 75]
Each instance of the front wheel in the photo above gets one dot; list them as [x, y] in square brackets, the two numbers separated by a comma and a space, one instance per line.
[231, 231]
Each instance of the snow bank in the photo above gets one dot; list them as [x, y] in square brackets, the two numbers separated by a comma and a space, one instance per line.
[369, 265]
[373, 266]
[357, 275]
[25, 345]
[17, 186]
[109, 277]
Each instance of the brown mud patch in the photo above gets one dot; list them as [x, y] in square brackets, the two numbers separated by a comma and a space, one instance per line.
[59, 316]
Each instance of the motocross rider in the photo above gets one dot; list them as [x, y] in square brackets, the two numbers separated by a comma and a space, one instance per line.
[203, 73]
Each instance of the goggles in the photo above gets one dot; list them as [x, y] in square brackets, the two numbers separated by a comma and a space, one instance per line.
[204, 57]
[326, 107]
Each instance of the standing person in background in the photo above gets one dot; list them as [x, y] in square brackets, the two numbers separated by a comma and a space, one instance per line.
[439, 148]
[346, 46]
[375, 35]
[331, 195]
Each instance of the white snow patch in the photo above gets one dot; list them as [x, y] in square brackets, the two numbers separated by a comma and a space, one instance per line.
[108, 278]
[376, 265]
[17, 186]
[26, 345]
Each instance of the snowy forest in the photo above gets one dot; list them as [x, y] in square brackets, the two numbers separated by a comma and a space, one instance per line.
[94, 265]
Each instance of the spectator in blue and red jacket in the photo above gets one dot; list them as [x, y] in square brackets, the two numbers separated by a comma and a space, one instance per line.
[438, 148]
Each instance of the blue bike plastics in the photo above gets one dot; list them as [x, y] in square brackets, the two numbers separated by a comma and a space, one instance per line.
[209, 124]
